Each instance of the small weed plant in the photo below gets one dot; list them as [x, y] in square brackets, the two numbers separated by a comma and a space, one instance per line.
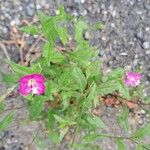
[65, 85]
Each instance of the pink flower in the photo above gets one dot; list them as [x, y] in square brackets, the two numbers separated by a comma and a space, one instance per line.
[133, 79]
[32, 84]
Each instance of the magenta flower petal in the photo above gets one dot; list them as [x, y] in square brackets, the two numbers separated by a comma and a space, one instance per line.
[41, 88]
[38, 77]
[133, 79]
[24, 89]
[32, 84]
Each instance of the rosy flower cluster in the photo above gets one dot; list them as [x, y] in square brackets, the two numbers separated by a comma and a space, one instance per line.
[32, 84]
[133, 79]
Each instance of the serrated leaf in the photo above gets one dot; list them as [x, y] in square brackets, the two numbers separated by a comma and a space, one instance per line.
[48, 51]
[107, 87]
[79, 78]
[30, 29]
[83, 54]
[120, 144]
[93, 69]
[36, 106]
[10, 78]
[89, 138]
[123, 90]
[92, 96]
[95, 121]
[66, 80]
[43, 18]
[123, 119]
[142, 132]
[79, 28]
[18, 68]
[114, 74]
[63, 15]
[63, 35]
[2, 106]
[6, 121]
[139, 147]
[22, 70]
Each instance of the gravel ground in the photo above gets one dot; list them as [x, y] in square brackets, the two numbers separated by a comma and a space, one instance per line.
[124, 41]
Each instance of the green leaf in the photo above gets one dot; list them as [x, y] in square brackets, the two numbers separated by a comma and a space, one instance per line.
[48, 51]
[54, 136]
[66, 80]
[6, 121]
[93, 69]
[79, 78]
[123, 90]
[51, 88]
[49, 29]
[36, 106]
[79, 28]
[51, 55]
[142, 132]
[95, 121]
[92, 96]
[2, 106]
[123, 119]
[63, 133]
[139, 147]
[43, 18]
[58, 118]
[120, 144]
[115, 74]
[22, 70]
[63, 34]
[10, 78]
[30, 29]
[63, 15]
[57, 57]
[89, 138]
[107, 87]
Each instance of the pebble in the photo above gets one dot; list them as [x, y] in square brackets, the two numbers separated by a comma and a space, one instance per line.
[30, 12]
[147, 52]
[79, 1]
[146, 45]
[87, 35]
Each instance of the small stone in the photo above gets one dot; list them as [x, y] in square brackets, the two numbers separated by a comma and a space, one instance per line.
[146, 45]
[83, 13]
[5, 30]
[135, 62]
[30, 11]
[139, 35]
[123, 54]
[87, 36]
[147, 5]
[79, 1]
[147, 52]
[38, 6]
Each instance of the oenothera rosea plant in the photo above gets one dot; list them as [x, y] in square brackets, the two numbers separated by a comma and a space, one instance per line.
[62, 87]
